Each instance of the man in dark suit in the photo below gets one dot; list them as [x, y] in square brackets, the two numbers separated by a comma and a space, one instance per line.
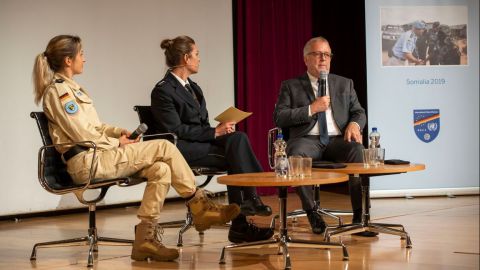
[322, 127]
[178, 106]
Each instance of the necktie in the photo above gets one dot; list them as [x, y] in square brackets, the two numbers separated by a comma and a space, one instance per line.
[322, 117]
[190, 90]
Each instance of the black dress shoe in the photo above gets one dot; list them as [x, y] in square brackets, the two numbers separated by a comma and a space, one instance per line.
[317, 223]
[357, 218]
[248, 232]
[366, 234]
[255, 207]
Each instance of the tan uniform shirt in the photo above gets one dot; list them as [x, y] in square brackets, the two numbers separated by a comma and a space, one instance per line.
[72, 116]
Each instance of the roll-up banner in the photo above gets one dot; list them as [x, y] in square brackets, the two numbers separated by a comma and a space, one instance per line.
[423, 92]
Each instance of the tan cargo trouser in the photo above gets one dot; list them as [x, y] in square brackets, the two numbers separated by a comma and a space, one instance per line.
[158, 160]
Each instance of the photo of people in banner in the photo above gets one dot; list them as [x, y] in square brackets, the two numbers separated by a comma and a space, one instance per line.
[424, 35]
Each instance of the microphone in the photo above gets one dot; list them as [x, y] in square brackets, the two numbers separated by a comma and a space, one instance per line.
[139, 131]
[322, 88]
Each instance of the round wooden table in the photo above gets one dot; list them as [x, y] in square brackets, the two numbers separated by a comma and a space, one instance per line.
[356, 170]
[282, 241]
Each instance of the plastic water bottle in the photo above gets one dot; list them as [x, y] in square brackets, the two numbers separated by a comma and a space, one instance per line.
[281, 161]
[374, 137]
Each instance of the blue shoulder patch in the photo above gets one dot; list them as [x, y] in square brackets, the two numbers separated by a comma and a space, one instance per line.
[71, 107]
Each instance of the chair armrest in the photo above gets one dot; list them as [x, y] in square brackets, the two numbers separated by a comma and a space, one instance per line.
[89, 144]
[272, 136]
[173, 137]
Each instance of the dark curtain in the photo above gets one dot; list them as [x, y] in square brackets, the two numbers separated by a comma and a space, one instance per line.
[344, 28]
[269, 36]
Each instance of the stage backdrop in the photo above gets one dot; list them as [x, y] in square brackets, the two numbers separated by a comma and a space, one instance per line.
[427, 113]
[124, 61]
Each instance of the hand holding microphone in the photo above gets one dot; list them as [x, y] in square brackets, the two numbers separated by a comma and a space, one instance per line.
[128, 138]
[322, 102]
[142, 128]
[322, 83]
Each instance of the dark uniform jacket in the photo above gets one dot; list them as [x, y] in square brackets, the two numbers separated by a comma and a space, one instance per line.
[175, 110]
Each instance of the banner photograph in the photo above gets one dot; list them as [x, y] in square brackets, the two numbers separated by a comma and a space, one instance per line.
[424, 35]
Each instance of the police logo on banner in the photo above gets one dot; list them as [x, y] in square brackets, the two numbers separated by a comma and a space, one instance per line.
[426, 124]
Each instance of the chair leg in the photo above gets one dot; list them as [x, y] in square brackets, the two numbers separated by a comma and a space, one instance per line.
[172, 224]
[81, 241]
[92, 240]
[113, 241]
[91, 250]
[207, 181]
[185, 227]
[326, 213]
[301, 213]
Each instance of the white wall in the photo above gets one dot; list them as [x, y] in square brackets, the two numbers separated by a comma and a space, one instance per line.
[124, 61]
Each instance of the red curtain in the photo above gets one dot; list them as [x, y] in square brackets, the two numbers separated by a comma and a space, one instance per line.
[269, 36]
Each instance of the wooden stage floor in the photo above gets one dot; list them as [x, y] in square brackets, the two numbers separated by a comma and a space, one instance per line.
[444, 232]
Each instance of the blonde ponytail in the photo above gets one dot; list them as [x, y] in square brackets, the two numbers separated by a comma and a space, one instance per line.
[52, 60]
[42, 76]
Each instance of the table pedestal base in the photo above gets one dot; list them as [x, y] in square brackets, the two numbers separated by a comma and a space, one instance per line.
[282, 241]
[366, 225]
[348, 229]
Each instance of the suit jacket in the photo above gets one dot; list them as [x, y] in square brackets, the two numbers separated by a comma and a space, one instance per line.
[291, 109]
[175, 110]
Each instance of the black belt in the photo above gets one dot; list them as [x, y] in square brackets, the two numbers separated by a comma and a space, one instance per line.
[317, 137]
[77, 149]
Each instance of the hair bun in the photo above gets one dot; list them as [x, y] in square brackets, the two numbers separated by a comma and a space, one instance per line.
[166, 43]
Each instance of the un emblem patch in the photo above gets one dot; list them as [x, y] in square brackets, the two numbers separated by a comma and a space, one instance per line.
[71, 107]
[426, 124]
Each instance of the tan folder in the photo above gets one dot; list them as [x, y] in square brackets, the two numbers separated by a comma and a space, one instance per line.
[232, 114]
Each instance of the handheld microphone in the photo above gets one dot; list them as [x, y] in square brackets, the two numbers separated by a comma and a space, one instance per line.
[139, 131]
[322, 88]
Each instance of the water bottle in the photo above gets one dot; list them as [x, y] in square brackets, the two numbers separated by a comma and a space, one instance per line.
[374, 137]
[281, 161]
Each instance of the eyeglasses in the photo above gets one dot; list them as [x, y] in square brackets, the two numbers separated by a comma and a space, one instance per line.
[325, 55]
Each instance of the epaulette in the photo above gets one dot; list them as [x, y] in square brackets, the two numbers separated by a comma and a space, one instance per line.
[160, 83]
[59, 80]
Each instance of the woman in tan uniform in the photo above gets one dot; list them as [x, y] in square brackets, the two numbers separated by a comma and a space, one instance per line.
[73, 118]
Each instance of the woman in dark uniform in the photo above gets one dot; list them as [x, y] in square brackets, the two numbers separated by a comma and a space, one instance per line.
[178, 106]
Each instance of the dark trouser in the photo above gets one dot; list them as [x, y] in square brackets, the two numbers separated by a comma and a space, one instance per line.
[234, 153]
[337, 150]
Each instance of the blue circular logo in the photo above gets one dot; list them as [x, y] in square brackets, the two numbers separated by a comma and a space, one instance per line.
[71, 107]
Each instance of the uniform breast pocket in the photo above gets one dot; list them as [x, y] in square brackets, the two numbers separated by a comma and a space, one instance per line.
[81, 97]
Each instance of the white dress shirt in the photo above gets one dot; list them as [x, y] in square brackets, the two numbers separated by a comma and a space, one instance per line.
[332, 127]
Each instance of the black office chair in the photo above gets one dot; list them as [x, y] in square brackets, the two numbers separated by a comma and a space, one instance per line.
[295, 214]
[53, 177]
[145, 116]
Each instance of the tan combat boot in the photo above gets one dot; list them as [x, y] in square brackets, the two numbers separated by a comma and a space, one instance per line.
[206, 212]
[148, 244]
